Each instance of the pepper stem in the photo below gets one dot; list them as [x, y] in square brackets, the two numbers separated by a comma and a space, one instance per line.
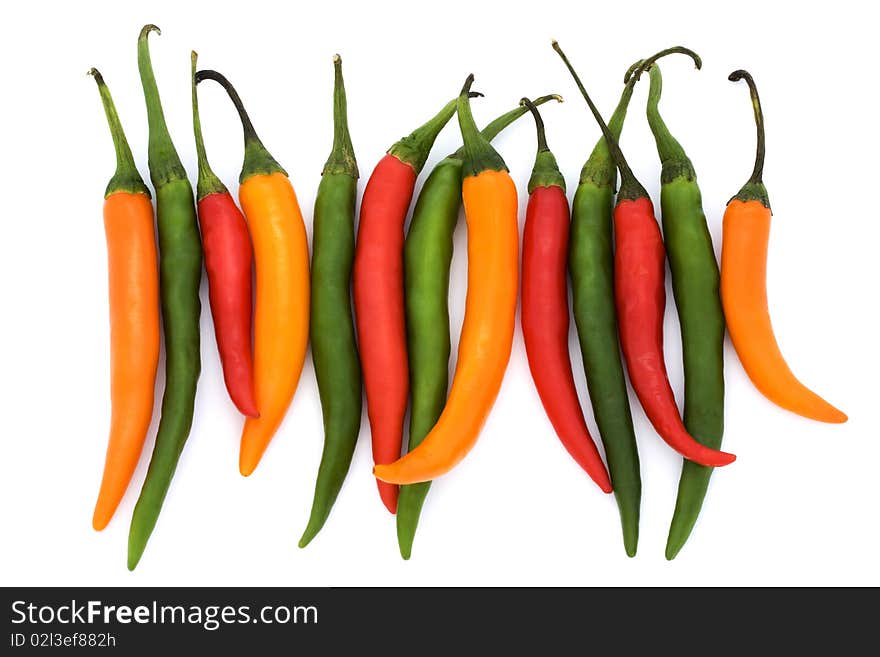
[754, 188]
[257, 160]
[599, 168]
[630, 188]
[164, 162]
[539, 125]
[493, 128]
[479, 155]
[415, 147]
[643, 65]
[758, 171]
[675, 162]
[127, 178]
[208, 182]
[546, 172]
[342, 159]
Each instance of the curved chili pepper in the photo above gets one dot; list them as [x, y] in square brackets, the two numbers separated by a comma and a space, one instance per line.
[695, 284]
[134, 316]
[427, 258]
[334, 350]
[378, 290]
[281, 252]
[545, 308]
[490, 206]
[228, 263]
[639, 271]
[746, 233]
[180, 272]
[591, 263]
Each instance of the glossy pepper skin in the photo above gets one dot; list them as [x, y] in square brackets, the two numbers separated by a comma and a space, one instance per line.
[639, 271]
[427, 259]
[591, 265]
[133, 277]
[229, 266]
[334, 349]
[180, 270]
[545, 308]
[746, 234]
[490, 204]
[281, 254]
[379, 294]
[696, 286]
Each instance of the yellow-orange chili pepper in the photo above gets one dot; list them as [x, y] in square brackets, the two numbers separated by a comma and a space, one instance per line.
[490, 206]
[281, 254]
[744, 291]
[133, 270]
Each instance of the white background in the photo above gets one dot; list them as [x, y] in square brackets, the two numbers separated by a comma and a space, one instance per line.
[798, 507]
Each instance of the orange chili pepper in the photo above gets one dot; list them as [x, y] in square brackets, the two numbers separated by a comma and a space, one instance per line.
[744, 292]
[134, 316]
[490, 206]
[281, 254]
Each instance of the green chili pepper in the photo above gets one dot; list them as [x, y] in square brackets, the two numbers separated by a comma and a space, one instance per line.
[695, 284]
[180, 270]
[334, 351]
[591, 264]
[427, 258]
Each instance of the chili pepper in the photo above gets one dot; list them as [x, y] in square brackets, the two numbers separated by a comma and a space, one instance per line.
[134, 316]
[228, 263]
[591, 265]
[378, 289]
[334, 349]
[545, 308]
[180, 271]
[639, 271]
[490, 206]
[281, 253]
[695, 284]
[746, 233]
[427, 259]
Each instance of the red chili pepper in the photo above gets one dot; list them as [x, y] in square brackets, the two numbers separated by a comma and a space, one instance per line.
[228, 260]
[640, 293]
[545, 308]
[640, 297]
[378, 290]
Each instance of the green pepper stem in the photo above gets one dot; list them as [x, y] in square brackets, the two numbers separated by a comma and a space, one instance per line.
[758, 171]
[545, 172]
[494, 128]
[630, 187]
[599, 168]
[539, 124]
[342, 159]
[675, 162]
[164, 162]
[127, 178]
[672, 156]
[415, 147]
[479, 155]
[257, 159]
[643, 65]
[208, 182]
